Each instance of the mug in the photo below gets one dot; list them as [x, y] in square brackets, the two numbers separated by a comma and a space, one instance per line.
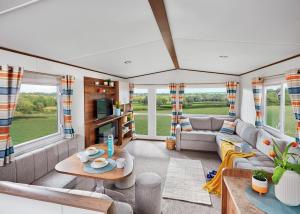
[83, 157]
[120, 163]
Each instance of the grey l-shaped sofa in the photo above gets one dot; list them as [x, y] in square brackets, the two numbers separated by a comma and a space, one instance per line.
[206, 136]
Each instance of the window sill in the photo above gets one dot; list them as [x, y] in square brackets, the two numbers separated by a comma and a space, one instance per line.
[37, 143]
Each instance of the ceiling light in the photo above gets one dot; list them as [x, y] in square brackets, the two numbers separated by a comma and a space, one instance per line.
[223, 56]
[127, 62]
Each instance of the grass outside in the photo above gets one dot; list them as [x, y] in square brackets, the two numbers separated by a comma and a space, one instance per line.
[29, 127]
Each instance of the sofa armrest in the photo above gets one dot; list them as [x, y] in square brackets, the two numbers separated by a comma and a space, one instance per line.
[178, 131]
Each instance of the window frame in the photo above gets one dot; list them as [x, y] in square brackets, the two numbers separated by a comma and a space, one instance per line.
[33, 144]
[279, 81]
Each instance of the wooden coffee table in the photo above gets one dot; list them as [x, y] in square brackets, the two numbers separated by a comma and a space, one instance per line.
[73, 166]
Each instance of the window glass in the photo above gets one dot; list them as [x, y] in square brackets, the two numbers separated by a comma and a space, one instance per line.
[273, 94]
[36, 113]
[290, 121]
[140, 109]
[210, 101]
[163, 112]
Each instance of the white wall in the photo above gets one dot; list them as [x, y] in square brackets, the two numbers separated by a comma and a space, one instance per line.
[44, 66]
[183, 76]
[246, 97]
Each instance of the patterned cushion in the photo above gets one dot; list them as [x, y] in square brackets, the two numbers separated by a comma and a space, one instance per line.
[185, 124]
[228, 127]
[265, 143]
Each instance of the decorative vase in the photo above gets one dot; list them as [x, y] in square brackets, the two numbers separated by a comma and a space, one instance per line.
[111, 84]
[260, 186]
[288, 188]
[105, 83]
[117, 112]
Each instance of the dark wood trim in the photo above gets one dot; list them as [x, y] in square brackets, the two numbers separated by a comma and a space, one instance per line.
[157, 72]
[160, 14]
[51, 196]
[274, 63]
[57, 61]
[209, 72]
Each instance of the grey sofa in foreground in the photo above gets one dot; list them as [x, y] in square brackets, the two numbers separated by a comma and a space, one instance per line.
[36, 169]
[206, 136]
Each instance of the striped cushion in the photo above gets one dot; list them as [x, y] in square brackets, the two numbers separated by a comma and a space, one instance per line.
[228, 127]
[186, 124]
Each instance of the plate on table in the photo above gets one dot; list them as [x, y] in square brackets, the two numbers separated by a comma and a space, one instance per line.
[99, 163]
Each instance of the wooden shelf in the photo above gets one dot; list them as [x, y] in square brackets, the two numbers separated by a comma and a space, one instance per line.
[102, 86]
[124, 133]
[128, 122]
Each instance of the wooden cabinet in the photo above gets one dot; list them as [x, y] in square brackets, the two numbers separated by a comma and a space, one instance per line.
[95, 89]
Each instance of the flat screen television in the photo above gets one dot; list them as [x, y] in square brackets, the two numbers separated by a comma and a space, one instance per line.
[104, 108]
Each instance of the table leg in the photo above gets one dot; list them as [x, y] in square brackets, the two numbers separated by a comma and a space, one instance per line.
[99, 186]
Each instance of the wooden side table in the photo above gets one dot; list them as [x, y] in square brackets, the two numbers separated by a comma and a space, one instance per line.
[234, 185]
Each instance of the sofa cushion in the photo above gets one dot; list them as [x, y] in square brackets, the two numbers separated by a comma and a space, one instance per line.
[259, 161]
[185, 124]
[25, 168]
[239, 126]
[199, 135]
[8, 172]
[63, 150]
[201, 123]
[73, 147]
[217, 122]
[229, 137]
[265, 143]
[40, 163]
[249, 133]
[55, 179]
[228, 127]
[52, 156]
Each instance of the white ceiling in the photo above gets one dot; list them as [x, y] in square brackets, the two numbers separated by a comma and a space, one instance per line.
[253, 33]
[102, 34]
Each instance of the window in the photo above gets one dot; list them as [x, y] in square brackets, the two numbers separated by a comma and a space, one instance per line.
[210, 101]
[37, 112]
[278, 110]
[140, 109]
[163, 112]
[273, 94]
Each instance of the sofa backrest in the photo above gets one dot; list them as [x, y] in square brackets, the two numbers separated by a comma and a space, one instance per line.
[19, 198]
[201, 123]
[208, 123]
[33, 165]
[247, 132]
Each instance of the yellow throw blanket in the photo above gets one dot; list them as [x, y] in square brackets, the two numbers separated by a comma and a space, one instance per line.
[214, 185]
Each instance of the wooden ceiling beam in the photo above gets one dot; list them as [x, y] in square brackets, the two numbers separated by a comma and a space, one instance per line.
[160, 14]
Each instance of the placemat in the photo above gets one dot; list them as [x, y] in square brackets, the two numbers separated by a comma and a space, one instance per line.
[110, 166]
[269, 203]
[97, 155]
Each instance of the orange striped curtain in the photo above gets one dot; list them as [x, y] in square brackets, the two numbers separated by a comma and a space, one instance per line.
[293, 82]
[257, 88]
[231, 88]
[172, 87]
[67, 93]
[10, 82]
[180, 101]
